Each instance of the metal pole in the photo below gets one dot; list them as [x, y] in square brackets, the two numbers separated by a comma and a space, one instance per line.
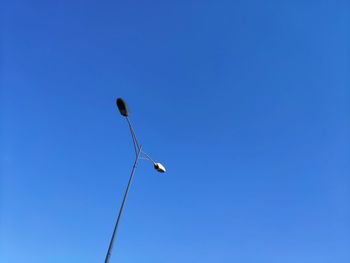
[110, 248]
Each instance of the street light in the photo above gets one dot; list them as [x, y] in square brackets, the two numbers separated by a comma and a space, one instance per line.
[123, 109]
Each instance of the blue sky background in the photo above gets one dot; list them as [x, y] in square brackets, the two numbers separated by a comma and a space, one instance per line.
[246, 103]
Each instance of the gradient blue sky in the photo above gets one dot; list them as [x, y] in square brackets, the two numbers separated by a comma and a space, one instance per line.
[246, 103]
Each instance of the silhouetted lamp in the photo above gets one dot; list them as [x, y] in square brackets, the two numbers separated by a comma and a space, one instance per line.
[123, 109]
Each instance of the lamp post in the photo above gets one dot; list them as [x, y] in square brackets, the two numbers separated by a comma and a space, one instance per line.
[139, 155]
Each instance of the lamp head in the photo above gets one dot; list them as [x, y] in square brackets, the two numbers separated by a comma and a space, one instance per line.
[159, 167]
[123, 109]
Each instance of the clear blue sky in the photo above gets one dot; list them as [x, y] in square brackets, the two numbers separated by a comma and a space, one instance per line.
[247, 103]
